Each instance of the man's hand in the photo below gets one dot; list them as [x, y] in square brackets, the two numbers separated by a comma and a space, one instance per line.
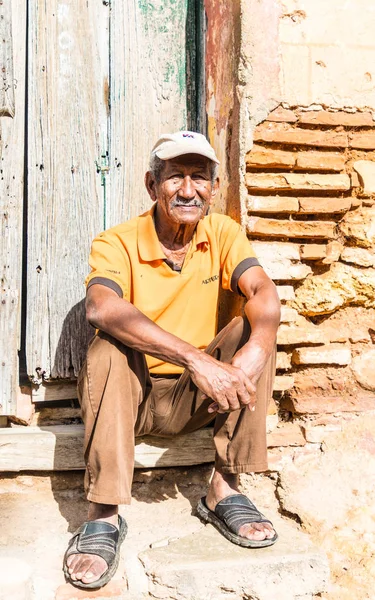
[227, 385]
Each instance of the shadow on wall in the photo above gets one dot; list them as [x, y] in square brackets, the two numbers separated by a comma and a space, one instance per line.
[71, 350]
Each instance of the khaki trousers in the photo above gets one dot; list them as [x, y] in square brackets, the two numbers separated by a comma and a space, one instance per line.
[120, 401]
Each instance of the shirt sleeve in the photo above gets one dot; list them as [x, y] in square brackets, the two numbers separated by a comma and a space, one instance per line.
[236, 254]
[110, 265]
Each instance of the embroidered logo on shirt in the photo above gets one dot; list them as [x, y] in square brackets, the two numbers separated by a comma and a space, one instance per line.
[210, 279]
[113, 271]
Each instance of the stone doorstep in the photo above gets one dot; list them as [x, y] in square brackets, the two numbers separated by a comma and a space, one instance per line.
[16, 579]
[205, 566]
[115, 590]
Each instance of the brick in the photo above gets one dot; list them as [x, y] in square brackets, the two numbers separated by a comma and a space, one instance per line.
[363, 369]
[286, 434]
[275, 251]
[356, 202]
[313, 251]
[288, 315]
[297, 181]
[272, 408]
[362, 140]
[271, 422]
[333, 354]
[282, 115]
[366, 173]
[333, 251]
[280, 133]
[358, 256]
[324, 117]
[272, 204]
[291, 229]
[283, 361]
[355, 180]
[285, 270]
[320, 161]
[333, 333]
[318, 433]
[280, 457]
[285, 292]
[283, 383]
[300, 333]
[332, 404]
[268, 157]
[324, 205]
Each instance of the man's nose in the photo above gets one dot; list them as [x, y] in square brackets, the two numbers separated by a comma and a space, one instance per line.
[187, 189]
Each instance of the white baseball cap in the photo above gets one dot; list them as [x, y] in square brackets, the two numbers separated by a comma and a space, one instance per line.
[170, 145]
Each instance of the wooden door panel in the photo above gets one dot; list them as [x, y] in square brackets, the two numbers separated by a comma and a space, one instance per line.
[148, 93]
[11, 200]
[105, 80]
[67, 133]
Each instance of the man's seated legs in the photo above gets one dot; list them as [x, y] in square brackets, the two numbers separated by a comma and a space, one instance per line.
[120, 401]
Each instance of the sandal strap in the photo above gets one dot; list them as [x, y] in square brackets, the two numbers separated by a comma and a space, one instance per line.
[95, 537]
[237, 510]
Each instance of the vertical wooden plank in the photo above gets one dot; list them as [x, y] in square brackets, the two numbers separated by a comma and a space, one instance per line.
[68, 114]
[222, 89]
[11, 206]
[148, 93]
[195, 66]
[6, 60]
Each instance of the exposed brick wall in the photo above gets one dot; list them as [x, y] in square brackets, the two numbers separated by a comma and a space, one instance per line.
[310, 178]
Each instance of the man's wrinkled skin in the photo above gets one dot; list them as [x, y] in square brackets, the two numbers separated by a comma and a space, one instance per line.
[183, 195]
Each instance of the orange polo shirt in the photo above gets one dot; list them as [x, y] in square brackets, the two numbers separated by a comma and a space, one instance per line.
[129, 259]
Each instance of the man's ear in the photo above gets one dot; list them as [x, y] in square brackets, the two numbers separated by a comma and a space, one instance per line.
[215, 189]
[150, 184]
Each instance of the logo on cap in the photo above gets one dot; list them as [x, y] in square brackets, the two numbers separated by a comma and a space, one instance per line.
[187, 135]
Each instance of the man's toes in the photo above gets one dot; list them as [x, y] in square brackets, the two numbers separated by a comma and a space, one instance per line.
[75, 560]
[83, 566]
[252, 533]
[257, 531]
[94, 572]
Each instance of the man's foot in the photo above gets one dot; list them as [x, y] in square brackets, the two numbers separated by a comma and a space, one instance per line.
[224, 485]
[89, 568]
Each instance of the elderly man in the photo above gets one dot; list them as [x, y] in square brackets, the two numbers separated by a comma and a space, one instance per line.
[157, 365]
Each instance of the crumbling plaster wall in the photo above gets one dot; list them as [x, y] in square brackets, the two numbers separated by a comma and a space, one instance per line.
[307, 186]
[306, 90]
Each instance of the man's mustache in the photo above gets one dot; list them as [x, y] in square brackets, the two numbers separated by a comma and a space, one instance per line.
[183, 202]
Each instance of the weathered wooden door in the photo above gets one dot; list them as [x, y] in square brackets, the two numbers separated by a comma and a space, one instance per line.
[104, 80]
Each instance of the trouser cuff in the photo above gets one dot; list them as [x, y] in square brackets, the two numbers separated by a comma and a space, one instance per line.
[246, 468]
[112, 500]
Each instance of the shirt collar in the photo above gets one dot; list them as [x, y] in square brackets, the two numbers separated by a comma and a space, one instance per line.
[148, 242]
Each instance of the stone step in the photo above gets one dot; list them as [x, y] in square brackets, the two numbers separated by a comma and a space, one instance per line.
[115, 590]
[205, 566]
[16, 580]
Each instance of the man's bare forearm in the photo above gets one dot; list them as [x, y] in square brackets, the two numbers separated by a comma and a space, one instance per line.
[227, 385]
[263, 314]
[262, 310]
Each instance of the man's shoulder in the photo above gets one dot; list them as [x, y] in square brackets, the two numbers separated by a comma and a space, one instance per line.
[123, 230]
[217, 222]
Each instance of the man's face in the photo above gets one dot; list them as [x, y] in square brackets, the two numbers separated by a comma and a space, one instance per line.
[185, 190]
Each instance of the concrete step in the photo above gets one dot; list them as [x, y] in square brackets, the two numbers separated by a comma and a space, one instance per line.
[168, 553]
[205, 566]
[16, 580]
